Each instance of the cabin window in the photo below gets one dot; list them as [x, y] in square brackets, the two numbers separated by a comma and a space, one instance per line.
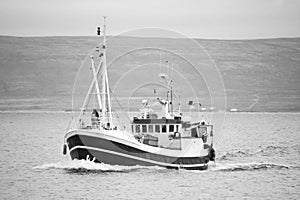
[157, 128]
[171, 128]
[202, 131]
[163, 128]
[150, 128]
[132, 128]
[177, 128]
[194, 132]
[144, 128]
[137, 128]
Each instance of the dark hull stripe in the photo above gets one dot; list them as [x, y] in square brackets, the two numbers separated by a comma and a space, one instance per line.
[122, 149]
[114, 158]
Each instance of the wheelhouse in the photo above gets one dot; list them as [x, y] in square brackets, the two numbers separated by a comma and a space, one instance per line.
[143, 126]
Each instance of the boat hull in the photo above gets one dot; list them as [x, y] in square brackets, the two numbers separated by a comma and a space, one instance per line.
[104, 150]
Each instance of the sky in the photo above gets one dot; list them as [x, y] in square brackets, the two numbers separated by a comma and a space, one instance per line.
[211, 19]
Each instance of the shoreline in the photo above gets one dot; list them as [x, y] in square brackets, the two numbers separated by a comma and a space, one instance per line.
[70, 112]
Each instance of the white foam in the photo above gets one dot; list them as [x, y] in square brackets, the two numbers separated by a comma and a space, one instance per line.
[90, 165]
[247, 166]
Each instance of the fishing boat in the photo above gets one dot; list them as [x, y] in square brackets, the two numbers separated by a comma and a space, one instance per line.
[152, 140]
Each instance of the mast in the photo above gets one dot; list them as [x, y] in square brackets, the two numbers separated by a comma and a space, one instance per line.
[91, 88]
[171, 101]
[96, 82]
[103, 97]
[105, 84]
[103, 77]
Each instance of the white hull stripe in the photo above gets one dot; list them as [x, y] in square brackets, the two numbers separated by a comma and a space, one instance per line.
[137, 158]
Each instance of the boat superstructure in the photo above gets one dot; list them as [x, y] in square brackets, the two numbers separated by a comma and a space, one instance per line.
[166, 140]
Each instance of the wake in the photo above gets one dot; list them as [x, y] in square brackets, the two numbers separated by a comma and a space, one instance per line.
[268, 151]
[90, 166]
[231, 167]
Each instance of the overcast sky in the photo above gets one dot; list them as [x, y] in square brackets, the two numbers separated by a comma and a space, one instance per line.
[221, 19]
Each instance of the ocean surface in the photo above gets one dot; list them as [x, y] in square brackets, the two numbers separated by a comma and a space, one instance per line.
[258, 157]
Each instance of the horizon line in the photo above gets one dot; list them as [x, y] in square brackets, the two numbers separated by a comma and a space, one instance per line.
[153, 37]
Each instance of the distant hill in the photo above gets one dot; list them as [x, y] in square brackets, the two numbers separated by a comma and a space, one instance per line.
[259, 75]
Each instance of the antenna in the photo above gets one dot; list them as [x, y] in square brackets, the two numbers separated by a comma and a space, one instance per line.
[167, 63]
[159, 61]
[104, 20]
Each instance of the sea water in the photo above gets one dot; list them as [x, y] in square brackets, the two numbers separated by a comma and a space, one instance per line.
[258, 157]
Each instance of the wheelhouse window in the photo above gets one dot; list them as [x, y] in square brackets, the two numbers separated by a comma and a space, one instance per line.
[171, 128]
[144, 128]
[137, 128]
[163, 128]
[150, 128]
[194, 132]
[202, 131]
[157, 128]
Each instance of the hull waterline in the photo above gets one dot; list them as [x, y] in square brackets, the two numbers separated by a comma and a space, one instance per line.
[108, 151]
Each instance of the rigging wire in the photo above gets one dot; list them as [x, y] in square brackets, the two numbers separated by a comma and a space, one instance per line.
[123, 110]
